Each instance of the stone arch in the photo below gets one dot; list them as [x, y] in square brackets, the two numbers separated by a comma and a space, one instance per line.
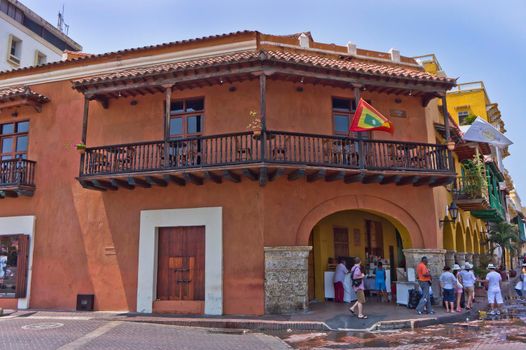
[449, 237]
[459, 239]
[469, 241]
[406, 224]
[476, 241]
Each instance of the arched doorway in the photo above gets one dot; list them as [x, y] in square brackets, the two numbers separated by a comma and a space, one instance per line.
[476, 241]
[469, 241]
[354, 233]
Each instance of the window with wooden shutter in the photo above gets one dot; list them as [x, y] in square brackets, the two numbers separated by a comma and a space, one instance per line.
[341, 241]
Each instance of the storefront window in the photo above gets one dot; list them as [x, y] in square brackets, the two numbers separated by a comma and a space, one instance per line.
[8, 265]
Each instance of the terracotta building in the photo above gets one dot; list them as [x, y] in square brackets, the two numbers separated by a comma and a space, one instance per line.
[213, 175]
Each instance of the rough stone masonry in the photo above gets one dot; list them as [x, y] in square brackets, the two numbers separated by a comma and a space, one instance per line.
[286, 279]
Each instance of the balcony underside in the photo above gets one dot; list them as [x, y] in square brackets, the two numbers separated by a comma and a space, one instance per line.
[490, 215]
[473, 204]
[14, 191]
[261, 173]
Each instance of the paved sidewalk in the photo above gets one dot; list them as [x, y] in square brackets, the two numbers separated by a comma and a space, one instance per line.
[320, 317]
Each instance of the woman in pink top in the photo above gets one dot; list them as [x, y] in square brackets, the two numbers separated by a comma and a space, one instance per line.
[357, 277]
[459, 289]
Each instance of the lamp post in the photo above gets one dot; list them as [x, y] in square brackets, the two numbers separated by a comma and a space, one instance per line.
[453, 213]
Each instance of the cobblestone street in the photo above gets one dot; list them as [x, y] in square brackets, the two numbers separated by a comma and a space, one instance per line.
[493, 333]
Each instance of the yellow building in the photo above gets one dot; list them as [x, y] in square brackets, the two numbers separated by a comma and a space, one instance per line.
[479, 202]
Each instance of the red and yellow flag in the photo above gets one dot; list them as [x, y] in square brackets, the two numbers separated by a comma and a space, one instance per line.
[367, 118]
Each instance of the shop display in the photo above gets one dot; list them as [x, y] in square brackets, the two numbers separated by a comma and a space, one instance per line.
[8, 265]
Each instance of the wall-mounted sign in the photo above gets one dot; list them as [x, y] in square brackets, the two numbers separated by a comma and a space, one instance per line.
[398, 113]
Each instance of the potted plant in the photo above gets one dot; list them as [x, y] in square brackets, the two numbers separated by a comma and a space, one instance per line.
[475, 184]
[81, 147]
[255, 124]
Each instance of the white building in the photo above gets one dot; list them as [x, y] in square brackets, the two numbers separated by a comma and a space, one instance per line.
[26, 39]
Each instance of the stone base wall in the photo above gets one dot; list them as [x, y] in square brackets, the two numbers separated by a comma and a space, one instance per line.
[286, 279]
[460, 258]
[436, 261]
[450, 258]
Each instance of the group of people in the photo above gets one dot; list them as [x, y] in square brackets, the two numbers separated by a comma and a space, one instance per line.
[460, 281]
[454, 282]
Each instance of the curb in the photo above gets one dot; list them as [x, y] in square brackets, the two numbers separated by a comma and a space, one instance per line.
[421, 322]
[230, 323]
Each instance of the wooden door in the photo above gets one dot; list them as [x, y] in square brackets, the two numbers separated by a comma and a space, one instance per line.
[374, 238]
[181, 263]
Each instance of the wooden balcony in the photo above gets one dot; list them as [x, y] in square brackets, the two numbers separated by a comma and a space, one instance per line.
[263, 158]
[481, 200]
[17, 178]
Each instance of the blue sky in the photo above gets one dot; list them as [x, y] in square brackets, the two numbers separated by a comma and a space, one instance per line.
[473, 39]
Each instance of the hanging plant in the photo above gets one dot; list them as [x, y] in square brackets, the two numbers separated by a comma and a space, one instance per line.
[255, 124]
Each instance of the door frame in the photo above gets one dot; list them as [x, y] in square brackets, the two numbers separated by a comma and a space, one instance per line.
[14, 225]
[151, 220]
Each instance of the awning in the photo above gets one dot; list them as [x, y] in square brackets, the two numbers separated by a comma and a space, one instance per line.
[482, 131]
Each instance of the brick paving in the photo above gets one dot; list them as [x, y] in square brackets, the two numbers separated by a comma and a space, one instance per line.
[65, 333]
[14, 337]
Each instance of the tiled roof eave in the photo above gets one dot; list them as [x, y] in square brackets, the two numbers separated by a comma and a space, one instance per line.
[80, 83]
[262, 58]
[449, 82]
[21, 93]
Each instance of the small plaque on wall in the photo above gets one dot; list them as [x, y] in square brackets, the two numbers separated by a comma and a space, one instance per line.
[356, 236]
[398, 113]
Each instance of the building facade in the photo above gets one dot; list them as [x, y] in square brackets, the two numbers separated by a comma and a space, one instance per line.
[26, 39]
[214, 175]
[482, 190]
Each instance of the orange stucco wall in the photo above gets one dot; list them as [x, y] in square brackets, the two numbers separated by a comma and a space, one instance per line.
[77, 229]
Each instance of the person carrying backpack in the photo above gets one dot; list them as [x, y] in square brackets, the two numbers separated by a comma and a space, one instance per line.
[357, 278]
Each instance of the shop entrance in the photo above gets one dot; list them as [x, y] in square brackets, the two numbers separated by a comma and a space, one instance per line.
[355, 233]
[181, 270]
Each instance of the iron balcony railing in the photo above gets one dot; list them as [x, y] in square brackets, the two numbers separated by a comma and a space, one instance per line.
[278, 147]
[16, 172]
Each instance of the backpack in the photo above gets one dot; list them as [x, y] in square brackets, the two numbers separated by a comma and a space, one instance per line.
[414, 299]
[355, 282]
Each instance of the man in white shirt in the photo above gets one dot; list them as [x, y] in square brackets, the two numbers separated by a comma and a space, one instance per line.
[339, 277]
[468, 281]
[493, 279]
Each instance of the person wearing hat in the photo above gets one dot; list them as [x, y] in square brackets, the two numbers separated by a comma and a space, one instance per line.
[468, 281]
[459, 290]
[493, 280]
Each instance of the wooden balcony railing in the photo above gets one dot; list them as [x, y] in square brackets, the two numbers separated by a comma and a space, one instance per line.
[276, 147]
[17, 174]
[477, 194]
